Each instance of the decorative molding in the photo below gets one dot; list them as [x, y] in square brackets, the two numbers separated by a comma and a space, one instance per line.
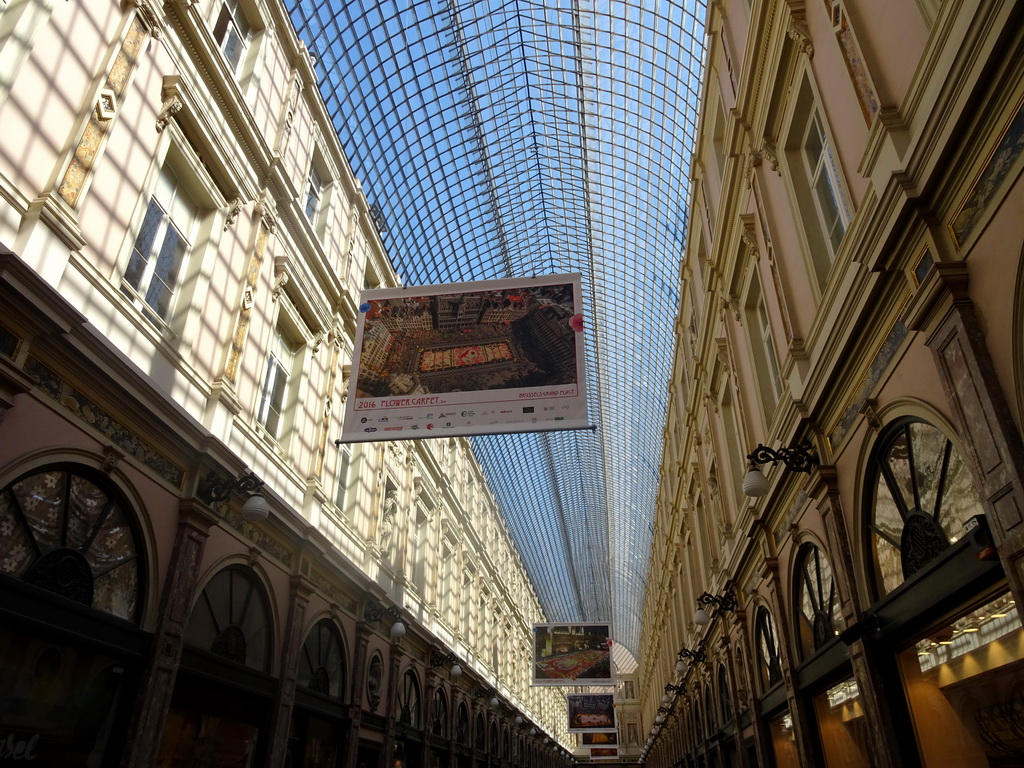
[801, 35]
[96, 417]
[265, 209]
[151, 17]
[111, 458]
[241, 332]
[89, 148]
[234, 208]
[171, 106]
[280, 276]
[770, 153]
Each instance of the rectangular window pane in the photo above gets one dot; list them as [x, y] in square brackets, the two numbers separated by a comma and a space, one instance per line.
[313, 194]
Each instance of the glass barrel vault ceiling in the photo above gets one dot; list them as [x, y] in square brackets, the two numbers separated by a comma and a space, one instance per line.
[504, 139]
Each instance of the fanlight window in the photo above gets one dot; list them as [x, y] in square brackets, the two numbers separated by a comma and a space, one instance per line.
[820, 619]
[922, 494]
[409, 701]
[67, 530]
[231, 619]
[768, 648]
[322, 663]
[440, 707]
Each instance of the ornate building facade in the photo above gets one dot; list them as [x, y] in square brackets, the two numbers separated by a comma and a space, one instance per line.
[192, 571]
[841, 491]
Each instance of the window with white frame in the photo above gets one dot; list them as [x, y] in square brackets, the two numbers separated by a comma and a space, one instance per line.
[314, 193]
[420, 549]
[820, 165]
[762, 347]
[444, 581]
[278, 392]
[344, 470]
[817, 181]
[161, 247]
[233, 34]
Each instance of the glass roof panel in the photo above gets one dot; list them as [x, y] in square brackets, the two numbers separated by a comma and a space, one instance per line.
[514, 138]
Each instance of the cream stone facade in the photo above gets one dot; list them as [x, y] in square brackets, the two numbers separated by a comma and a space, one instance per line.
[183, 246]
[853, 281]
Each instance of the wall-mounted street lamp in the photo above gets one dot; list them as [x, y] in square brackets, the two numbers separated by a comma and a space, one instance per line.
[376, 612]
[686, 656]
[438, 659]
[798, 458]
[724, 602]
[255, 507]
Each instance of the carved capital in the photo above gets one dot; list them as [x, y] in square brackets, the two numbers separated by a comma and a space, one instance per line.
[801, 35]
[171, 106]
[234, 208]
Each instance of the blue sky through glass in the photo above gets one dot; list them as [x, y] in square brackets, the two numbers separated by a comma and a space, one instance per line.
[521, 138]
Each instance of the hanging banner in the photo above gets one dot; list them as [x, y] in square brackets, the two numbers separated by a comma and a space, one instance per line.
[487, 357]
[589, 712]
[604, 753]
[600, 739]
[572, 654]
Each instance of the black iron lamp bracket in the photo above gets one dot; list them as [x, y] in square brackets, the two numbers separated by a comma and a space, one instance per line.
[699, 656]
[724, 602]
[217, 488]
[679, 689]
[798, 458]
[438, 659]
[374, 612]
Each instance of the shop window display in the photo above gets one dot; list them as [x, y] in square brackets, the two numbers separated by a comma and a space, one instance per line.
[965, 688]
[841, 726]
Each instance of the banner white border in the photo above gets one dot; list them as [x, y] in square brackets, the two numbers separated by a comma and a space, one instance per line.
[415, 413]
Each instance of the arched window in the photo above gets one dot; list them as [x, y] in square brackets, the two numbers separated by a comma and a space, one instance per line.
[479, 735]
[439, 726]
[462, 725]
[231, 619]
[768, 648]
[68, 530]
[922, 494]
[819, 617]
[409, 701]
[724, 700]
[709, 712]
[322, 662]
[506, 743]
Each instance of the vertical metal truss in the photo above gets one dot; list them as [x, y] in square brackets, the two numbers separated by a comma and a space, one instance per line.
[514, 138]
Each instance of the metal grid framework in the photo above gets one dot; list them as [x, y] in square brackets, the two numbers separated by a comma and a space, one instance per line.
[505, 139]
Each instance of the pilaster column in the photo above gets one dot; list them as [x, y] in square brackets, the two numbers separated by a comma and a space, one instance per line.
[803, 719]
[390, 703]
[992, 443]
[280, 724]
[359, 661]
[146, 729]
[871, 681]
